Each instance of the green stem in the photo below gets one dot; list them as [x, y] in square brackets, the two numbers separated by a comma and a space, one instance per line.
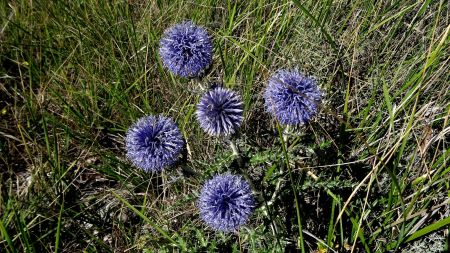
[297, 208]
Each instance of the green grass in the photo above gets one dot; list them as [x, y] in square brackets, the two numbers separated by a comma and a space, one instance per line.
[369, 174]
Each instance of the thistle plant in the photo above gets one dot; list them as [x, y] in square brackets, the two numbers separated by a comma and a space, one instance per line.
[186, 49]
[219, 112]
[292, 97]
[226, 202]
[153, 143]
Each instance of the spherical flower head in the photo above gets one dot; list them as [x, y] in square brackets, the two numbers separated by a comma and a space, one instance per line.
[226, 202]
[153, 143]
[292, 97]
[186, 49]
[219, 111]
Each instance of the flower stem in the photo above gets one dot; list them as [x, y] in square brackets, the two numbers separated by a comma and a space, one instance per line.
[294, 190]
[234, 148]
[286, 133]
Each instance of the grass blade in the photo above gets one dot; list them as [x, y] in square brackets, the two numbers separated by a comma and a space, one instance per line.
[428, 229]
[6, 237]
[58, 228]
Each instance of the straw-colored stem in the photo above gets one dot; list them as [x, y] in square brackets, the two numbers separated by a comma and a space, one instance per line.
[234, 148]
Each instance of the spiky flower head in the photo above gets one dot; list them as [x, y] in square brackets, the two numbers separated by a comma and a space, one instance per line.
[186, 49]
[292, 97]
[219, 111]
[153, 143]
[226, 202]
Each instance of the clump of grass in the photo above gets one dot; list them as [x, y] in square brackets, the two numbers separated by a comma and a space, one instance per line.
[370, 172]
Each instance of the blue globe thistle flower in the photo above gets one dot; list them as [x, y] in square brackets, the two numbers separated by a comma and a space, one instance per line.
[292, 97]
[153, 143]
[219, 111]
[226, 202]
[186, 49]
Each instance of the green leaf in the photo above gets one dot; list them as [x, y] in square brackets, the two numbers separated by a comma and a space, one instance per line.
[428, 229]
